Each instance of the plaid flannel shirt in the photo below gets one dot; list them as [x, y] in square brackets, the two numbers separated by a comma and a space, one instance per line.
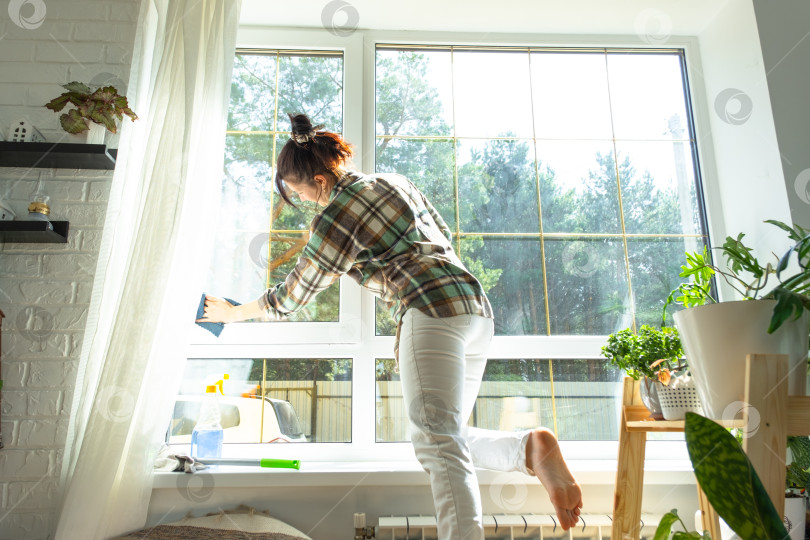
[384, 233]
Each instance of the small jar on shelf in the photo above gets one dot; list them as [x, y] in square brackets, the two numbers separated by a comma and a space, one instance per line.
[38, 209]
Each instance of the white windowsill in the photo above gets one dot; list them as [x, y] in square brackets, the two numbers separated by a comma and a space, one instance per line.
[318, 474]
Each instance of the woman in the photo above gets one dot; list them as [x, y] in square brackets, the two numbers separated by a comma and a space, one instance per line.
[383, 232]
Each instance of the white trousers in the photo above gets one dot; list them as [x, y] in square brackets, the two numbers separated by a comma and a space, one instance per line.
[441, 363]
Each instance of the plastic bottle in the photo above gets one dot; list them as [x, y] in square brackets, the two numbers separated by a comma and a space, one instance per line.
[206, 438]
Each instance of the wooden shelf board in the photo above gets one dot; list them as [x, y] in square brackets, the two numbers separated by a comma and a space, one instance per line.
[57, 155]
[34, 232]
[638, 420]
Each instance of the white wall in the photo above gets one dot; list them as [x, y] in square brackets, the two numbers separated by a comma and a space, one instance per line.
[743, 176]
[326, 512]
[84, 39]
[784, 31]
[45, 288]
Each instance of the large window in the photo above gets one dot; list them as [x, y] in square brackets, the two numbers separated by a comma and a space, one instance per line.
[568, 177]
[568, 180]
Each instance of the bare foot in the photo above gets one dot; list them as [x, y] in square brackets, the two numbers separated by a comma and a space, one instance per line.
[544, 458]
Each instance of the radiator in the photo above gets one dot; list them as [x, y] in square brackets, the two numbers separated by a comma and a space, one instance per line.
[510, 526]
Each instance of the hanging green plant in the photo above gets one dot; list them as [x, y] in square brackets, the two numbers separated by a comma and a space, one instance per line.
[103, 106]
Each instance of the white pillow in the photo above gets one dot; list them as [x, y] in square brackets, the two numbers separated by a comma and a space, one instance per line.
[244, 522]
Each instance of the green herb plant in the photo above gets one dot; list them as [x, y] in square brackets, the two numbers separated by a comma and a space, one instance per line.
[634, 353]
[102, 106]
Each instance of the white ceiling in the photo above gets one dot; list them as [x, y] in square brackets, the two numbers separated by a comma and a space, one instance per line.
[672, 17]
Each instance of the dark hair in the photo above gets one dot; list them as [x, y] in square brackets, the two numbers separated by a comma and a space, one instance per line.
[310, 151]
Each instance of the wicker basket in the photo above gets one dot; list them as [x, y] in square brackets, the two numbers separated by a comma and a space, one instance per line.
[679, 398]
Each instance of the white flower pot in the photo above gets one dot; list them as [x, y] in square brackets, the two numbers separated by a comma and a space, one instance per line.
[679, 398]
[795, 512]
[794, 520]
[96, 133]
[716, 339]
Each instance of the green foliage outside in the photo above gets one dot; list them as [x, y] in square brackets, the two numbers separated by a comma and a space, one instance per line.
[301, 369]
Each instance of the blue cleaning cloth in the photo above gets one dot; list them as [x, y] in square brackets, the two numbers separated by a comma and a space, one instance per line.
[213, 327]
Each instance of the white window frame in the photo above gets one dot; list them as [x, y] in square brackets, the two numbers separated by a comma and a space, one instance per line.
[350, 338]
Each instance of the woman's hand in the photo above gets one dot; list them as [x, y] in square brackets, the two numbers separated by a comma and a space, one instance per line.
[217, 310]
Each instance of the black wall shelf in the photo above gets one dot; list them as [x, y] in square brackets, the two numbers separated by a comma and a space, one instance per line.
[57, 155]
[34, 231]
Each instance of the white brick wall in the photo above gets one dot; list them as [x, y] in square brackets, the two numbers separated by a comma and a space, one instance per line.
[82, 41]
[44, 292]
[45, 288]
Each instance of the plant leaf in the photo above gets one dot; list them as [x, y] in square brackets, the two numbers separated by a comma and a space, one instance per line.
[104, 118]
[793, 234]
[73, 122]
[730, 482]
[787, 304]
[78, 87]
[57, 104]
[681, 535]
[783, 262]
[665, 525]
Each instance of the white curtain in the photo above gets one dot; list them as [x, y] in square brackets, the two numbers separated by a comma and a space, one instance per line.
[151, 264]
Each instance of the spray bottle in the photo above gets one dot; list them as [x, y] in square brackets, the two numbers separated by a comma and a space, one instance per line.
[207, 436]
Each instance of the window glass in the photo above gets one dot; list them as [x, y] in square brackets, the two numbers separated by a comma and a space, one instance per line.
[570, 96]
[580, 402]
[259, 237]
[571, 193]
[646, 94]
[492, 93]
[497, 187]
[560, 186]
[578, 188]
[269, 400]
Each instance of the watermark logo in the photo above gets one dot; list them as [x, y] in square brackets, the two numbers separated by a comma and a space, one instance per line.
[108, 79]
[115, 403]
[35, 323]
[258, 249]
[578, 259]
[507, 493]
[27, 14]
[340, 18]
[741, 410]
[733, 106]
[196, 487]
[430, 412]
[802, 186]
[653, 26]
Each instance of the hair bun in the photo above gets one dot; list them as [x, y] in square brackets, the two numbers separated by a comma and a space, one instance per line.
[302, 129]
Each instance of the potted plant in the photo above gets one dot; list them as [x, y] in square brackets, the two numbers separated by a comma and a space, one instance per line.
[94, 110]
[772, 318]
[677, 392]
[638, 354]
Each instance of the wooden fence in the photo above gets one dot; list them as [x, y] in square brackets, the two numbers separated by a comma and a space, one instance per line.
[582, 410]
